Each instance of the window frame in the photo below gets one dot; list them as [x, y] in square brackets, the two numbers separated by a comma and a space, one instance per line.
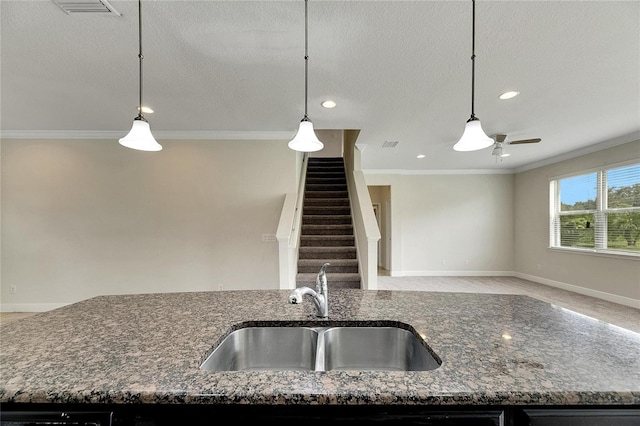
[600, 213]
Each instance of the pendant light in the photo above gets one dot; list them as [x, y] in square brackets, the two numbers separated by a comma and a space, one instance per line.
[140, 137]
[473, 137]
[305, 139]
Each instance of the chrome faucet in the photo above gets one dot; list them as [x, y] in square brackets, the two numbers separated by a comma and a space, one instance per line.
[320, 297]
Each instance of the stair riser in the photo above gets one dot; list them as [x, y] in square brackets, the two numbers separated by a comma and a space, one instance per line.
[326, 180]
[326, 220]
[326, 202]
[338, 269]
[325, 171]
[324, 211]
[335, 285]
[327, 242]
[318, 230]
[326, 194]
[311, 187]
[328, 254]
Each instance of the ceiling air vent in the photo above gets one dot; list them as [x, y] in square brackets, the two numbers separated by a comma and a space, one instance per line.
[390, 144]
[86, 6]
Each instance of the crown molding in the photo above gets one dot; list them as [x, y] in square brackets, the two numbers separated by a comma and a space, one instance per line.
[632, 137]
[109, 134]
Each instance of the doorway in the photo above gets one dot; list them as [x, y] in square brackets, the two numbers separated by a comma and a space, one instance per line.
[381, 204]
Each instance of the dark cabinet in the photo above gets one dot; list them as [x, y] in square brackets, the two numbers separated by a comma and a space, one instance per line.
[581, 417]
[308, 415]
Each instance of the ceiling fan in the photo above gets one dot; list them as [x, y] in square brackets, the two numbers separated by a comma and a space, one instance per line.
[501, 140]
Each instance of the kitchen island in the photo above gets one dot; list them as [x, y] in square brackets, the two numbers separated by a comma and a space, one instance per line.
[504, 359]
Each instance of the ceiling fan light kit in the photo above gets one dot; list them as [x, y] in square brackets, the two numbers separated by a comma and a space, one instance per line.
[140, 137]
[305, 140]
[473, 138]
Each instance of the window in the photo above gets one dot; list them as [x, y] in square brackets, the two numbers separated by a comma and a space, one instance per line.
[597, 211]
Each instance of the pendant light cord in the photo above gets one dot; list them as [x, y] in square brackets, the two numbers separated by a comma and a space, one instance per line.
[306, 57]
[473, 58]
[140, 57]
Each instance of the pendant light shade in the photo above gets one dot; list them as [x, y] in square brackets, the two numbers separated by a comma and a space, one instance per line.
[473, 137]
[140, 137]
[305, 139]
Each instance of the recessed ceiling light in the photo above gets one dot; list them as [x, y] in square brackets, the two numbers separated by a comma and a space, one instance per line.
[421, 156]
[509, 95]
[146, 110]
[329, 104]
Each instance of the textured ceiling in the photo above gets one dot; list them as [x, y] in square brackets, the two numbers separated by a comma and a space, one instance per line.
[398, 70]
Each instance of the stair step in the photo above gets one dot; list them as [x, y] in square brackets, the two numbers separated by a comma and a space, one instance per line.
[336, 265]
[325, 187]
[326, 202]
[326, 210]
[326, 253]
[328, 168]
[334, 280]
[328, 174]
[331, 180]
[327, 240]
[326, 194]
[325, 219]
[327, 229]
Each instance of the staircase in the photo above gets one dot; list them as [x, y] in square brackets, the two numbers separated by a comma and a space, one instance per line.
[327, 229]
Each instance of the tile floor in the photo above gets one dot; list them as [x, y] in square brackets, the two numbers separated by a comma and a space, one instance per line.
[613, 313]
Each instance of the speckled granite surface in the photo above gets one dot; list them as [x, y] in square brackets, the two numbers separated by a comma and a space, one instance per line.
[148, 348]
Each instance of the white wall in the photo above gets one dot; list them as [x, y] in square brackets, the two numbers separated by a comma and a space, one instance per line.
[450, 224]
[614, 278]
[82, 218]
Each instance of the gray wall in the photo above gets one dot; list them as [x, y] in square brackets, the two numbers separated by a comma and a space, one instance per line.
[615, 278]
[82, 218]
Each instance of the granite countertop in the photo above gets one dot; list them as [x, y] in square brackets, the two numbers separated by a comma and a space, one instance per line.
[147, 348]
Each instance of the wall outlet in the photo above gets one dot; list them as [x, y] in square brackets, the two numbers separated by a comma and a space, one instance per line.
[13, 289]
[269, 238]
[539, 266]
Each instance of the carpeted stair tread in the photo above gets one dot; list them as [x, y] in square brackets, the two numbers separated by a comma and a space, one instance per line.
[327, 229]
[326, 240]
[334, 280]
[326, 210]
[323, 202]
[326, 219]
[326, 194]
[337, 265]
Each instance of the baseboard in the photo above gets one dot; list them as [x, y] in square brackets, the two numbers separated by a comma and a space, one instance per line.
[622, 300]
[30, 307]
[453, 274]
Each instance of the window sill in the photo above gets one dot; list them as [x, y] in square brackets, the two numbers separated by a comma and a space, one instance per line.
[601, 253]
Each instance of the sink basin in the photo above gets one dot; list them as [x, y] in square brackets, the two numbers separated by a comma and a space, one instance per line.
[379, 348]
[265, 348]
[375, 348]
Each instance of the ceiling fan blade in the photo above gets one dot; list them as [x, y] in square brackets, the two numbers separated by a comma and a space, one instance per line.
[522, 141]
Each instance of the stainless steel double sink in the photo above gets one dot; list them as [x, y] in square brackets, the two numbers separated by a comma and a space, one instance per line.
[304, 348]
